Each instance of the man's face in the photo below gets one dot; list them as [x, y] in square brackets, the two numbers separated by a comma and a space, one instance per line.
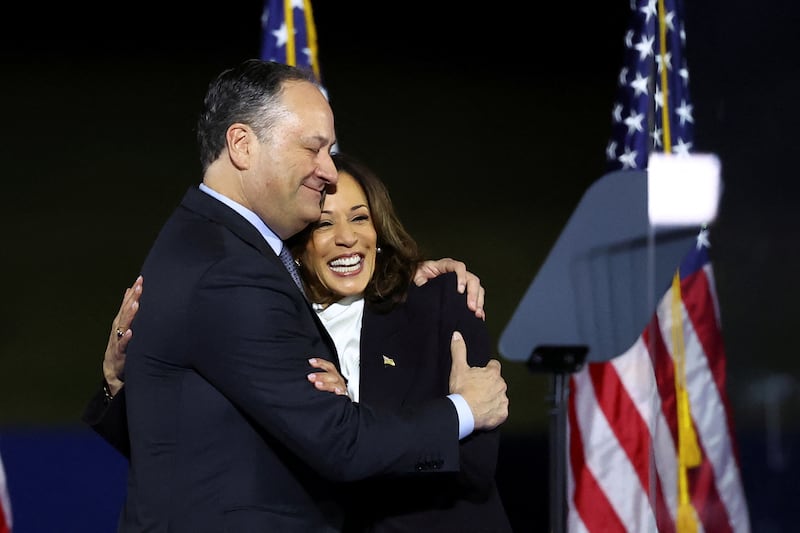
[293, 165]
[341, 250]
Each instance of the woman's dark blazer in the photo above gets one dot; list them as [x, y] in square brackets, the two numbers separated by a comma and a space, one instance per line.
[405, 362]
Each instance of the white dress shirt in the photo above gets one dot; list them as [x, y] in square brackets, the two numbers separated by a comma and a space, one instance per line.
[343, 322]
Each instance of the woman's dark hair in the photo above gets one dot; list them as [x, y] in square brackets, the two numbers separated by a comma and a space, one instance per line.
[399, 257]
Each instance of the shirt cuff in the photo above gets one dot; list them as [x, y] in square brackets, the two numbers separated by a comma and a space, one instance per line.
[466, 422]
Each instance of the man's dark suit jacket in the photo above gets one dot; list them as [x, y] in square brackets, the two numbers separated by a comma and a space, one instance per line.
[226, 432]
[405, 362]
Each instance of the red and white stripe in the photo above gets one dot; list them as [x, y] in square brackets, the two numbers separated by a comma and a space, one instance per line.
[622, 459]
[5, 503]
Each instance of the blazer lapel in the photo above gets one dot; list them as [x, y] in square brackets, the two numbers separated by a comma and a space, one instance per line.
[385, 362]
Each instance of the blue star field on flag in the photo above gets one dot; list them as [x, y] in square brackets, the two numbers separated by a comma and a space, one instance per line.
[289, 39]
[638, 122]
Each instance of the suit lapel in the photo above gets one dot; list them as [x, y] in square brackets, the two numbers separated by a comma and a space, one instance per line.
[211, 208]
[326, 338]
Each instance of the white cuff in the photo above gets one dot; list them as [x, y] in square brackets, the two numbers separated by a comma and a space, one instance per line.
[466, 422]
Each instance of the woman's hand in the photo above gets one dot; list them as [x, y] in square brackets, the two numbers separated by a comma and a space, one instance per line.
[429, 269]
[330, 380]
[120, 336]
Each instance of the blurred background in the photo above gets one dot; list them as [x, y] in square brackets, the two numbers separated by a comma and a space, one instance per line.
[487, 123]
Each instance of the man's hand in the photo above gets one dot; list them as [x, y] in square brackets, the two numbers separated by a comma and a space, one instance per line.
[484, 389]
[466, 280]
[120, 336]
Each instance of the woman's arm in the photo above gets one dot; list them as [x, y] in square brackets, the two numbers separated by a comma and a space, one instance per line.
[105, 412]
[120, 336]
[468, 281]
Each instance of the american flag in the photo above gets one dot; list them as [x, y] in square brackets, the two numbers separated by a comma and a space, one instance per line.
[650, 437]
[288, 34]
[642, 121]
[5, 503]
[650, 434]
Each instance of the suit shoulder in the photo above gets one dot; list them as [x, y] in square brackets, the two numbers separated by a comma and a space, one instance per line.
[439, 296]
[446, 281]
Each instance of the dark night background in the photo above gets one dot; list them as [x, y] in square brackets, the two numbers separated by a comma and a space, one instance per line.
[487, 124]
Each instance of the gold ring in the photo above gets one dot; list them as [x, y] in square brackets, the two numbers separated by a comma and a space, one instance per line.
[120, 333]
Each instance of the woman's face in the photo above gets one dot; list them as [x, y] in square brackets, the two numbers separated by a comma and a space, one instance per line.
[341, 250]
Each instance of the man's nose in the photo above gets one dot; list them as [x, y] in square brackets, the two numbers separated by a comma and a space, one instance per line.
[327, 170]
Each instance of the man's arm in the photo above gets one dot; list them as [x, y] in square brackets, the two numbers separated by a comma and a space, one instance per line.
[252, 338]
[111, 424]
[483, 388]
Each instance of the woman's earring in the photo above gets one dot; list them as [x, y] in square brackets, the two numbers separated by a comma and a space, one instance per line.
[378, 250]
[297, 262]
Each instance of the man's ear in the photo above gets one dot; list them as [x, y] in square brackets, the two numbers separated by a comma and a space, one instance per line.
[242, 143]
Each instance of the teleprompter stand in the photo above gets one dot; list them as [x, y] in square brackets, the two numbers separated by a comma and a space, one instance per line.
[592, 298]
[560, 361]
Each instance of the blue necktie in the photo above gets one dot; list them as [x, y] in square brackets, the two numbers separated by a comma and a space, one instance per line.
[288, 262]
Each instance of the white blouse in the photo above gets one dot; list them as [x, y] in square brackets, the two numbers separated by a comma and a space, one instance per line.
[343, 322]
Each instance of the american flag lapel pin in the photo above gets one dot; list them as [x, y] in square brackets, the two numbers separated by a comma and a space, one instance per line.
[388, 361]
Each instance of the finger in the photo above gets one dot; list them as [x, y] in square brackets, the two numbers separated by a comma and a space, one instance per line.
[121, 347]
[138, 286]
[458, 351]
[333, 379]
[474, 297]
[429, 269]
[127, 298]
[462, 275]
[480, 312]
[418, 277]
[424, 272]
[323, 364]
[129, 313]
[323, 381]
[130, 304]
[119, 319]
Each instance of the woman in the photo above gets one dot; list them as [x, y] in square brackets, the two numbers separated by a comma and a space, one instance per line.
[393, 340]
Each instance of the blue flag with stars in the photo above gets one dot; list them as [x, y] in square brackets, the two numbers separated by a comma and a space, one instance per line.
[288, 34]
[653, 111]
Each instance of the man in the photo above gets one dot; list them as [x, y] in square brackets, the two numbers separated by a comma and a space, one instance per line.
[226, 432]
